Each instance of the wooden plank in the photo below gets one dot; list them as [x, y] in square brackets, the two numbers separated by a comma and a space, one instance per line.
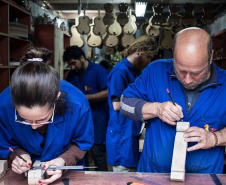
[3, 167]
[179, 153]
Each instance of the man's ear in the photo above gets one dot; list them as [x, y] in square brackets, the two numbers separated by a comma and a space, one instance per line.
[138, 51]
[211, 57]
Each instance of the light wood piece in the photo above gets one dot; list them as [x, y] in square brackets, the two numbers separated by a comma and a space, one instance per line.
[179, 153]
[3, 167]
[35, 175]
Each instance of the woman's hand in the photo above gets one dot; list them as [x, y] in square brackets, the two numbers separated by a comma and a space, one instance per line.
[19, 166]
[55, 174]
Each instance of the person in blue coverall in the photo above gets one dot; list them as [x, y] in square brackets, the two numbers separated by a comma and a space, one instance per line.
[198, 88]
[122, 139]
[43, 118]
[91, 79]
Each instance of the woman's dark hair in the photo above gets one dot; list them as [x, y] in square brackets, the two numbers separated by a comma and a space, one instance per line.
[73, 52]
[38, 84]
[36, 52]
[34, 84]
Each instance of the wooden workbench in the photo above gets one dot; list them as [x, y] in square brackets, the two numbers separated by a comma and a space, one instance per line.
[110, 178]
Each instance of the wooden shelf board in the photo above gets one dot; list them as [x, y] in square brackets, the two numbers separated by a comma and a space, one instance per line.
[14, 37]
[8, 67]
[4, 34]
[16, 6]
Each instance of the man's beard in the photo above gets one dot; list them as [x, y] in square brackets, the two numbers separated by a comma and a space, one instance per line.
[80, 70]
[194, 85]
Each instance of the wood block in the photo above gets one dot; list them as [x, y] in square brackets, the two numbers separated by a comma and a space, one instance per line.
[179, 153]
[3, 167]
[35, 175]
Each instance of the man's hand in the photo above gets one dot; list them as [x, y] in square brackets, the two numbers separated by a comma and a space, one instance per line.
[203, 138]
[169, 113]
[55, 174]
[19, 166]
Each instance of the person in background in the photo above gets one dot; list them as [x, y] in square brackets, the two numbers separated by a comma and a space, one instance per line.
[44, 119]
[198, 88]
[122, 139]
[107, 65]
[91, 79]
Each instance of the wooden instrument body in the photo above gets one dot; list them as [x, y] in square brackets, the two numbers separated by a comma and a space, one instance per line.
[76, 38]
[152, 30]
[188, 20]
[174, 18]
[130, 27]
[157, 20]
[108, 18]
[208, 17]
[166, 41]
[92, 39]
[83, 27]
[122, 17]
[115, 28]
[127, 39]
[143, 28]
[111, 40]
[99, 27]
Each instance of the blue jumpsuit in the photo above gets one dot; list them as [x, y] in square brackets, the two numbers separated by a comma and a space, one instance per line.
[94, 80]
[122, 139]
[69, 128]
[210, 109]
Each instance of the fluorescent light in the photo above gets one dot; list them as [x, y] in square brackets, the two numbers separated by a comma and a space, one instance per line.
[140, 8]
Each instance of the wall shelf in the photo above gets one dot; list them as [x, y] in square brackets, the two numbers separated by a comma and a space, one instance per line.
[12, 47]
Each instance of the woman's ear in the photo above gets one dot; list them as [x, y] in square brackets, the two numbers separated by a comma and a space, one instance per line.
[58, 95]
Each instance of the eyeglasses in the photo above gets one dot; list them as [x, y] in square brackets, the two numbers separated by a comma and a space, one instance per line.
[34, 123]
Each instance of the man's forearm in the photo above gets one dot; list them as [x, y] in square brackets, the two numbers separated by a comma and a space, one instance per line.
[132, 108]
[149, 110]
[100, 96]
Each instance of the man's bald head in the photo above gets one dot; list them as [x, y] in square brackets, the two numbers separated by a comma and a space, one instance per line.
[193, 36]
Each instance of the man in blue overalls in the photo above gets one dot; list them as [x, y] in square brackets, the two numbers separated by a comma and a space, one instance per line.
[91, 79]
[198, 88]
[122, 139]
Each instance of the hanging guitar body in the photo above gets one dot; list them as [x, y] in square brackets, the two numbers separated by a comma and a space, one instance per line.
[174, 18]
[111, 40]
[76, 38]
[108, 18]
[143, 27]
[122, 17]
[166, 39]
[157, 20]
[115, 28]
[188, 20]
[152, 30]
[83, 27]
[99, 27]
[208, 17]
[130, 27]
[92, 39]
[127, 39]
